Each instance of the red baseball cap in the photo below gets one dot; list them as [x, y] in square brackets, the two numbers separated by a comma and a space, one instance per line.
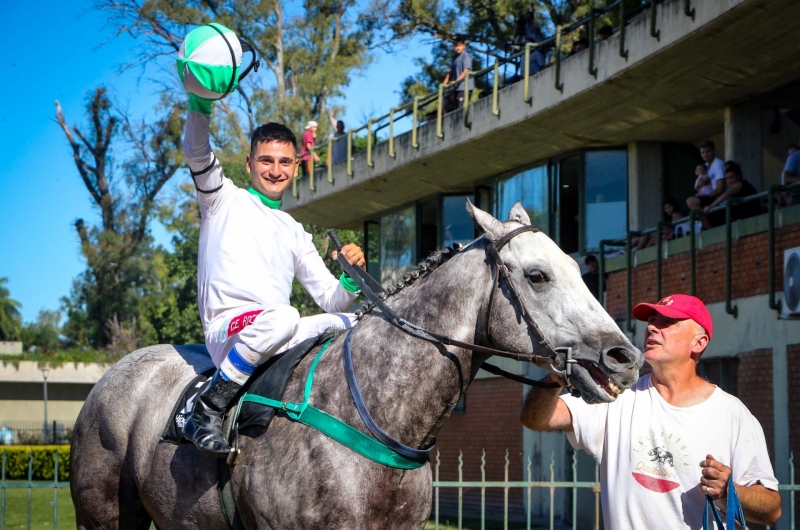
[677, 306]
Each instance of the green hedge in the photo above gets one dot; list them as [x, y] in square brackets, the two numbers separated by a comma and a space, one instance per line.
[17, 457]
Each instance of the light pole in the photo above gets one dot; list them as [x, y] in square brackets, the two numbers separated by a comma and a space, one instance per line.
[45, 371]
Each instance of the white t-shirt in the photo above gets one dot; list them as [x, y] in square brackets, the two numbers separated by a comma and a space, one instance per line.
[649, 453]
[716, 171]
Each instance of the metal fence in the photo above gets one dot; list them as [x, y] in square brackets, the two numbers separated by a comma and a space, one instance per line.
[35, 433]
[460, 485]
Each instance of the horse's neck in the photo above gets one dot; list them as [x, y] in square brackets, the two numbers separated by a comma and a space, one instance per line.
[413, 384]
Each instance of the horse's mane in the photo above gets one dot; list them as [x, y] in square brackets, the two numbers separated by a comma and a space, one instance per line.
[423, 269]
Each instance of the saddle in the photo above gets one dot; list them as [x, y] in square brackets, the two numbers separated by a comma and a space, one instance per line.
[269, 381]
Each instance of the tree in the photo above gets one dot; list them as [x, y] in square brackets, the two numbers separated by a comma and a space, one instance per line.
[119, 255]
[44, 333]
[10, 318]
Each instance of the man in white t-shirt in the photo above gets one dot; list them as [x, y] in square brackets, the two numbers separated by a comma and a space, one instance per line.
[670, 439]
[716, 175]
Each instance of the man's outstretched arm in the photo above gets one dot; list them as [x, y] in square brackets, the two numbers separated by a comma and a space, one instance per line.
[544, 411]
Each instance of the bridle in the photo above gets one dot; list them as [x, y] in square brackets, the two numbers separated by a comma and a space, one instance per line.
[375, 293]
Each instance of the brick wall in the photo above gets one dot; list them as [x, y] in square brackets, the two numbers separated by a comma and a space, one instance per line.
[793, 361]
[490, 423]
[750, 275]
[756, 391]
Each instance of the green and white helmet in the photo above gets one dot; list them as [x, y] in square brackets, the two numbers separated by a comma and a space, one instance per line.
[209, 61]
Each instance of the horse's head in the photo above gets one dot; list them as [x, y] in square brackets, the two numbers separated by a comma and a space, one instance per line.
[552, 292]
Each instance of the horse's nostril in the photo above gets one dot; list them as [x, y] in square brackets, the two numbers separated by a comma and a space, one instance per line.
[619, 355]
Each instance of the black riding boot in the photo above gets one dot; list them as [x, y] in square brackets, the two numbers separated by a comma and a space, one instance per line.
[204, 426]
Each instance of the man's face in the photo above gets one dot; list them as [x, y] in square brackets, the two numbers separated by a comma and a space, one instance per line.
[593, 266]
[460, 47]
[667, 340]
[272, 167]
[707, 153]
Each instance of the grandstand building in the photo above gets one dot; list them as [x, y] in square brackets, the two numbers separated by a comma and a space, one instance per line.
[592, 146]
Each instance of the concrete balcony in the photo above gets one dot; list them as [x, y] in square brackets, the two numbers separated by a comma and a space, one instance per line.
[672, 88]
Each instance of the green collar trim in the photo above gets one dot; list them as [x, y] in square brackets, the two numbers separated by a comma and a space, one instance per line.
[335, 428]
[266, 201]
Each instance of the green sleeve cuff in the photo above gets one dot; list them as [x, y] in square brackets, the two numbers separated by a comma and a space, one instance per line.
[201, 105]
[348, 284]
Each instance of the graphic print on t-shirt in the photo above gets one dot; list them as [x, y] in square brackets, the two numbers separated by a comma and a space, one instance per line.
[658, 460]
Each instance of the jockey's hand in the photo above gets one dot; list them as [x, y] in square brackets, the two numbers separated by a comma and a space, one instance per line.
[715, 478]
[353, 253]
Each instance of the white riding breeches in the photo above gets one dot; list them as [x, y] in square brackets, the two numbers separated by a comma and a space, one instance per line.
[241, 339]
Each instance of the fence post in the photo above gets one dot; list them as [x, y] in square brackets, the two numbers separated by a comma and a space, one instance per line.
[526, 83]
[574, 490]
[30, 488]
[437, 490]
[311, 165]
[592, 69]
[370, 163]
[559, 84]
[495, 88]
[552, 489]
[528, 511]
[3, 499]
[460, 490]
[55, 490]
[350, 152]
[729, 307]
[773, 302]
[467, 123]
[391, 132]
[329, 158]
[414, 110]
[622, 51]
[505, 496]
[655, 33]
[692, 252]
[440, 102]
[483, 489]
[688, 10]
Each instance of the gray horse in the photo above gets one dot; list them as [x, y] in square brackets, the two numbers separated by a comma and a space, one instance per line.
[293, 477]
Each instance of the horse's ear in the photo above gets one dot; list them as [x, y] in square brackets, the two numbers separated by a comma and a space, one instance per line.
[519, 214]
[493, 228]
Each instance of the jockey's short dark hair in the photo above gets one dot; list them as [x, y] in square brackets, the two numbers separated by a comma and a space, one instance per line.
[272, 132]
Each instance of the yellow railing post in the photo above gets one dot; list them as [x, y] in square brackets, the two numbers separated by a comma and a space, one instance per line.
[467, 124]
[350, 152]
[329, 158]
[622, 51]
[391, 132]
[526, 84]
[495, 88]
[311, 166]
[440, 101]
[369, 143]
[414, 124]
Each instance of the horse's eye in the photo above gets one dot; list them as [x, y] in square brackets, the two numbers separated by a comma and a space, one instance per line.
[537, 277]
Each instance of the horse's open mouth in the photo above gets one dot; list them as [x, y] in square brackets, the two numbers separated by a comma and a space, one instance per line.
[601, 380]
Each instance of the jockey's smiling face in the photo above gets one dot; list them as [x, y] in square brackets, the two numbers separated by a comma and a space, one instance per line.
[272, 166]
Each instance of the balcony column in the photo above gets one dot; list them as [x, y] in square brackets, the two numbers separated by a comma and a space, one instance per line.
[743, 141]
[645, 182]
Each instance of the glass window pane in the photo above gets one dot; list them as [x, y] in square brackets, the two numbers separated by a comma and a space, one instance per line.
[372, 234]
[606, 195]
[398, 244]
[457, 225]
[531, 188]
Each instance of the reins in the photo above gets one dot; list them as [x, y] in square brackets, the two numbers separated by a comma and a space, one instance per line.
[373, 292]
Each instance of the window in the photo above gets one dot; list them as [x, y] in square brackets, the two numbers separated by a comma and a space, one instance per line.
[606, 196]
[721, 371]
[568, 203]
[398, 244]
[372, 247]
[457, 225]
[530, 188]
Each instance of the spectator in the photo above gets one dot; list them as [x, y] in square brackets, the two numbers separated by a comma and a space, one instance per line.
[673, 438]
[458, 69]
[578, 46]
[605, 32]
[309, 140]
[702, 184]
[339, 150]
[669, 232]
[716, 174]
[592, 276]
[791, 172]
[673, 213]
[790, 175]
[738, 188]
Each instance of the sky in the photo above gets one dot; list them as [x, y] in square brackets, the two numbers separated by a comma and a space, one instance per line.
[62, 51]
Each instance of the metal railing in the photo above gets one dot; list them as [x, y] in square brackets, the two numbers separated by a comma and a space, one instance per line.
[693, 217]
[506, 485]
[412, 108]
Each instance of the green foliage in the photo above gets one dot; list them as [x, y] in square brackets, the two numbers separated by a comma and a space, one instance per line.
[10, 318]
[67, 355]
[44, 333]
[18, 456]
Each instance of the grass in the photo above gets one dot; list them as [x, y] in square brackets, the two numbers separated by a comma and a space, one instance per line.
[41, 508]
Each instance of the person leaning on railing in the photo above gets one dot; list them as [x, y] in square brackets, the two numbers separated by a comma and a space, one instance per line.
[791, 175]
[673, 438]
[738, 188]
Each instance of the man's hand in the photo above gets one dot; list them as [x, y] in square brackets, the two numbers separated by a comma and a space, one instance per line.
[353, 254]
[715, 478]
[707, 208]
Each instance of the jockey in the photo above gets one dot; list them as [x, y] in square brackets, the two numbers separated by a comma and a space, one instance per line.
[250, 252]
